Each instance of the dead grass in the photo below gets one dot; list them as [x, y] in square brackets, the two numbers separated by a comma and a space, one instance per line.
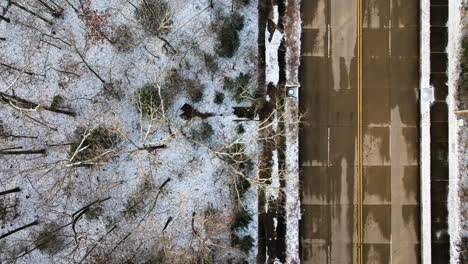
[239, 87]
[194, 89]
[91, 146]
[211, 62]
[244, 243]
[154, 16]
[202, 133]
[8, 209]
[123, 39]
[228, 35]
[137, 201]
[49, 240]
[150, 99]
[219, 97]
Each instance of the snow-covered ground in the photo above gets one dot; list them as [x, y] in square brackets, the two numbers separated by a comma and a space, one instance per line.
[461, 103]
[138, 215]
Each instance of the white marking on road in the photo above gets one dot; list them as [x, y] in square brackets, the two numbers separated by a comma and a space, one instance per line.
[390, 30]
[328, 148]
[329, 40]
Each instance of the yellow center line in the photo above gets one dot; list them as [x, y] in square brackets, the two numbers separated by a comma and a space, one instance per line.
[359, 133]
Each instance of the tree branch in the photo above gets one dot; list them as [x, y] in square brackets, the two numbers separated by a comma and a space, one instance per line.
[19, 229]
[89, 67]
[22, 103]
[23, 152]
[31, 12]
[14, 190]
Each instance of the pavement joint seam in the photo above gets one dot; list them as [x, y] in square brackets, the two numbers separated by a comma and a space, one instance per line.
[359, 133]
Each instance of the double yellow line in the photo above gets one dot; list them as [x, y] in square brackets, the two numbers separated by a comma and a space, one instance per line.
[359, 133]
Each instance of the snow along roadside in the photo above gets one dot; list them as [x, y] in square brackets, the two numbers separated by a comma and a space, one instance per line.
[453, 201]
[293, 51]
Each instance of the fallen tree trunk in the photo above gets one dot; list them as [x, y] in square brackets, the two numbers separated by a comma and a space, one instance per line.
[25, 104]
[6, 19]
[189, 112]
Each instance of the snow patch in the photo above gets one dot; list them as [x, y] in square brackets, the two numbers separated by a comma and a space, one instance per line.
[454, 53]
[272, 44]
[272, 190]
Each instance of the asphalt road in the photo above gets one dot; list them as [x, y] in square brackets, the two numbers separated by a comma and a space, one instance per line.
[360, 140]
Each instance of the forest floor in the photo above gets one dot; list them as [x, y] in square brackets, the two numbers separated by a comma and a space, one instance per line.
[128, 131]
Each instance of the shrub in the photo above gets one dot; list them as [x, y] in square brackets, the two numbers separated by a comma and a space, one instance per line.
[57, 101]
[228, 42]
[113, 90]
[210, 62]
[194, 90]
[240, 129]
[136, 202]
[95, 144]
[258, 98]
[228, 35]
[236, 21]
[202, 133]
[242, 185]
[154, 16]
[8, 209]
[174, 80]
[158, 257]
[149, 101]
[204, 258]
[463, 64]
[173, 85]
[134, 205]
[465, 48]
[219, 98]
[94, 212]
[238, 87]
[242, 2]
[242, 219]
[463, 83]
[245, 243]
[123, 39]
[2, 127]
[236, 156]
[49, 239]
